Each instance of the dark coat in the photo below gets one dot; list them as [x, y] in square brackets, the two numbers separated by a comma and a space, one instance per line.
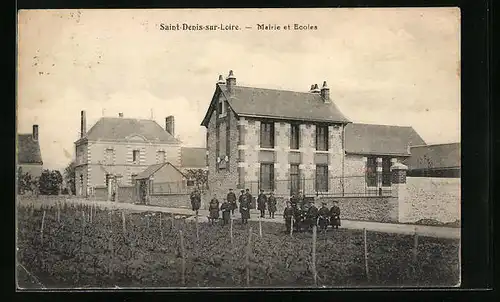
[195, 201]
[288, 213]
[214, 209]
[245, 208]
[226, 210]
[261, 201]
[271, 203]
[312, 212]
[335, 211]
[323, 211]
[231, 199]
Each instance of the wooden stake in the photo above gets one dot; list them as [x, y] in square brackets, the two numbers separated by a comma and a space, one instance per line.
[123, 223]
[172, 220]
[260, 227]
[415, 246]
[291, 227]
[183, 262]
[231, 229]
[111, 272]
[315, 274]
[366, 255]
[58, 212]
[90, 214]
[247, 258]
[41, 230]
[161, 229]
[147, 220]
[197, 231]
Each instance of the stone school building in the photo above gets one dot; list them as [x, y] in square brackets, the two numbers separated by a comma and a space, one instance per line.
[288, 141]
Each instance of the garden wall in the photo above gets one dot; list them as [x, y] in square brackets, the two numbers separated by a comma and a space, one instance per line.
[431, 198]
[171, 200]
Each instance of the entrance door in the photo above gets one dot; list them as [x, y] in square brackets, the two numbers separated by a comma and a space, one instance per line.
[294, 179]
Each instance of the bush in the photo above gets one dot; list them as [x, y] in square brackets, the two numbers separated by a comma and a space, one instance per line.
[50, 182]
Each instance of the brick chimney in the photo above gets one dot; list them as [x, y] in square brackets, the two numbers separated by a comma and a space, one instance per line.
[120, 114]
[83, 125]
[325, 93]
[315, 89]
[169, 125]
[312, 88]
[221, 80]
[230, 81]
[35, 132]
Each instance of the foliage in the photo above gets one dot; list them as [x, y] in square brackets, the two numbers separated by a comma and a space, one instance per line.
[69, 177]
[50, 182]
[97, 253]
[200, 176]
[25, 182]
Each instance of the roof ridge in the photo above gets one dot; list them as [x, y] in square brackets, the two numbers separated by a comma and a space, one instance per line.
[273, 89]
[389, 125]
[432, 145]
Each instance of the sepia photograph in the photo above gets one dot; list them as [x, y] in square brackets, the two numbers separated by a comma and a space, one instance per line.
[238, 148]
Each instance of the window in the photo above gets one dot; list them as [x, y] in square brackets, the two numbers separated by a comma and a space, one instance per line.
[322, 138]
[322, 178]
[294, 136]
[222, 140]
[135, 156]
[267, 177]
[386, 171]
[371, 171]
[160, 157]
[109, 156]
[266, 135]
[134, 176]
[219, 108]
[294, 179]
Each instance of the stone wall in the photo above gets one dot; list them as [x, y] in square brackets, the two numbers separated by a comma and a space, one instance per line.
[431, 198]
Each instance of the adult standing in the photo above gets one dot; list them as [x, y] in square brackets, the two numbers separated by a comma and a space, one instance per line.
[261, 203]
[323, 214]
[195, 201]
[249, 198]
[288, 215]
[226, 212]
[335, 215]
[231, 199]
[271, 205]
[245, 209]
[214, 209]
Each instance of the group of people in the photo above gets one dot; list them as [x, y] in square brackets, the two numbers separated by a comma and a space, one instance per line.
[304, 213]
[298, 209]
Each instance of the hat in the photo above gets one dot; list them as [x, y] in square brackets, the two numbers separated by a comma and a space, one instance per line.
[242, 190]
[335, 201]
[230, 189]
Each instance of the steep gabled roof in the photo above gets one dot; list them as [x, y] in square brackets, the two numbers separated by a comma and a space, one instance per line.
[193, 157]
[151, 170]
[278, 104]
[380, 139]
[437, 156]
[119, 129]
[28, 150]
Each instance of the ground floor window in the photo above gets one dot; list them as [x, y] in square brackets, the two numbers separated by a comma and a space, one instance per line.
[294, 179]
[386, 172]
[321, 178]
[267, 177]
[371, 171]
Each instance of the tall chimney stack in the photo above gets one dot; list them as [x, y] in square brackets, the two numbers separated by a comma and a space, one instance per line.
[35, 132]
[230, 81]
[325, 93]
[169, 125]
[83, 125]
[315, 89]
[120, 114]
[221, 80]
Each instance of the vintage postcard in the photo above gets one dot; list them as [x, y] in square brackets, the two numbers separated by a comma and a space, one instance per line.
[238, 148]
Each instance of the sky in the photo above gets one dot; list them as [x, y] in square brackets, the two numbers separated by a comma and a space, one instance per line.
[383, 66]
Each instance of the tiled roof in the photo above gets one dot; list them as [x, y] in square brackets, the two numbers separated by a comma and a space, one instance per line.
[119, 129]
[193, 157]
[28, 151]
[282, 104]
[380, 139]
[151, 170]
[434, 156]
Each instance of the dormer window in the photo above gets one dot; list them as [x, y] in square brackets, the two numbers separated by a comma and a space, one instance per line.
[222, 108]
[135, 156]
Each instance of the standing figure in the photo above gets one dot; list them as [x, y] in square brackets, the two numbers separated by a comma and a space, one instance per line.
[249, 199]
[312, 215]
[288, 215]
[226, 212]
[301, 200]
[271, 205]
[261, 203]
[323, 214]
[195, 201]
[245, 210]
[214, 209]
[335, 215]
[231, 199]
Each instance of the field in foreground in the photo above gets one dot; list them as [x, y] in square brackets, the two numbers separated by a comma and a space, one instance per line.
[92, 250]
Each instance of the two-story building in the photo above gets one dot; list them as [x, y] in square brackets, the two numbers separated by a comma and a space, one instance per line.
[286, 141]
[29, 156]
[123, 148]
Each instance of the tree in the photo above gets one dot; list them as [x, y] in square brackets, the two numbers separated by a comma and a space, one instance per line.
[24, 181]
[200, 176]
[50, 182]
[69, 177]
